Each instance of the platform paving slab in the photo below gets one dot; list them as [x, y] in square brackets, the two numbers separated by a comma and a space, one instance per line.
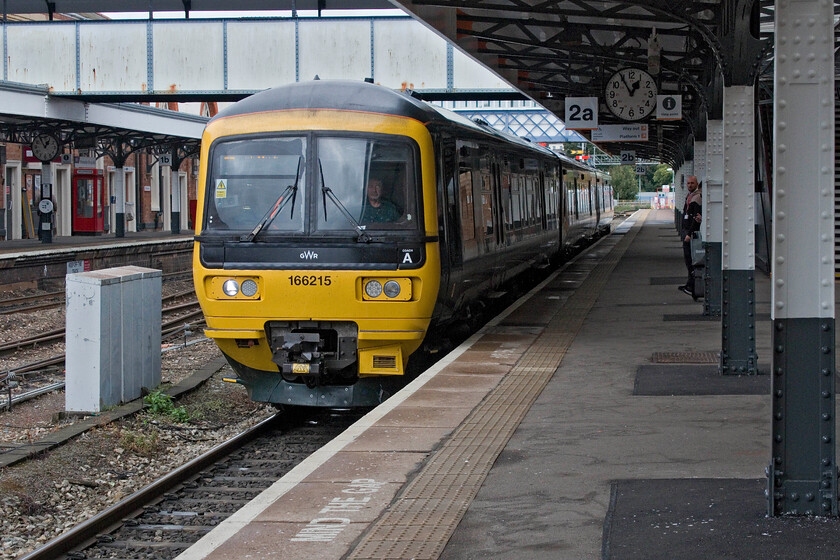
[548, 494]
[695, 379]
[698, 519]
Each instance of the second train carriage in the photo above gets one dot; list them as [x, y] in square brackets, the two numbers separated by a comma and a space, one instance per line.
[342, 220]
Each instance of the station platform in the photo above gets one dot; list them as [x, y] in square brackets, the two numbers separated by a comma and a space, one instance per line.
[587, 421]
[31, 263]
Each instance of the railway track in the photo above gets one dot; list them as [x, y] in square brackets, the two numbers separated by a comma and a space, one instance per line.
[181, 323]
[167, 327]
[163, 519]
[22, 304]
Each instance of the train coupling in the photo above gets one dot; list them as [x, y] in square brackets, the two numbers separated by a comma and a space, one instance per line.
[312, 349]
[297, 353]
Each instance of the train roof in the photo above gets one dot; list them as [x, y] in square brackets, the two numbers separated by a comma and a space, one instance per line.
[344, 95]
[349, 95]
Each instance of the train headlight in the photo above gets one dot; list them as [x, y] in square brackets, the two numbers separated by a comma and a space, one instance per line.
[387, 289]
[230, 287]
[373, 288]
[392, 289]
[249, 288]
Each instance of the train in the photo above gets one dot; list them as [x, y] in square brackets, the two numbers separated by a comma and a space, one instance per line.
[343, 223]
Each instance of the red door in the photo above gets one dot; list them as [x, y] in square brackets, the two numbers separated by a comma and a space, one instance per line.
[88, 215]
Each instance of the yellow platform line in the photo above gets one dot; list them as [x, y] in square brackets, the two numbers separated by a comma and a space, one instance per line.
[422, 519]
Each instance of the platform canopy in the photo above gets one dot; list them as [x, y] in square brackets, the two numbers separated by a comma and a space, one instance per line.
[551, 50]
[77, 6]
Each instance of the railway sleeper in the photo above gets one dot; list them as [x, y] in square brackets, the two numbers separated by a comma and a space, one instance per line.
[217, 501]
[171, 527]
[142, 545]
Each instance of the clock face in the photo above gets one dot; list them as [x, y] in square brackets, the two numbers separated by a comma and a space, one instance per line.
[45, 147]
[631, 94]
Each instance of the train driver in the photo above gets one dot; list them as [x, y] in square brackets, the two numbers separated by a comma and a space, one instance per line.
[378, 209]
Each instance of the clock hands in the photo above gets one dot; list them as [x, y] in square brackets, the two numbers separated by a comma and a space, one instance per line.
[635, 85]
[629, 89]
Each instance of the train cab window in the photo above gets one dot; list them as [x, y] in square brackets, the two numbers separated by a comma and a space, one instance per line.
[249, 179]
[373, 181]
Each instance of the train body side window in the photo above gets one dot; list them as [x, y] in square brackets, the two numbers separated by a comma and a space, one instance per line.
[467, 213]
[507, 208]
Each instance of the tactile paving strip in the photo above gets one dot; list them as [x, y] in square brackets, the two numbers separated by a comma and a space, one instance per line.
[686, 357]
[421, 520]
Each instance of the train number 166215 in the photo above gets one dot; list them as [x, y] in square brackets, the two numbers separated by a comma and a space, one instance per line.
[309, 280]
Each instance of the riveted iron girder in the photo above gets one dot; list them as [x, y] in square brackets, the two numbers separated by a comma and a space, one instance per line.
[740, 37]
[554, 49]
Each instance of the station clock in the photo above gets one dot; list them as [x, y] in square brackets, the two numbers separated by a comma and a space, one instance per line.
[45, 147]
[630, 94]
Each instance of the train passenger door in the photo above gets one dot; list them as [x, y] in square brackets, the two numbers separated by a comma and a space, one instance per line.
[598, 202]
[498, 208]
[450, 246]
[541, 193]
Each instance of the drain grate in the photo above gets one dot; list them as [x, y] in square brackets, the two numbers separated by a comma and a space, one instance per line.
[686, 357]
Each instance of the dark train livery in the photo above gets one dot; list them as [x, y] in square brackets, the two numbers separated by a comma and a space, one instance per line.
[340, 221]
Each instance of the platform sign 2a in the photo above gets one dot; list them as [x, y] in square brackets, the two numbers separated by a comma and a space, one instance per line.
[581, 113]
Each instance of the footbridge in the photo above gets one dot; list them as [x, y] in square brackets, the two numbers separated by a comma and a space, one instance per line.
[228, 59]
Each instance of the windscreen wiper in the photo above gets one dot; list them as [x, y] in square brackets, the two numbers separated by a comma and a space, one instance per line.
[327, 192]
[277, 207]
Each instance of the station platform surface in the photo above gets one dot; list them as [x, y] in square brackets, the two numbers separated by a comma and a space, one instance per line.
[15, 247]
[587, 421]
[29, 263]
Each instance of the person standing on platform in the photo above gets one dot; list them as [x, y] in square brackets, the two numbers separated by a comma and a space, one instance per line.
[691, 218]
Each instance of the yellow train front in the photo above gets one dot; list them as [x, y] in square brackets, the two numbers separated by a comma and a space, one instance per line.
[343, 224]
[316, 258]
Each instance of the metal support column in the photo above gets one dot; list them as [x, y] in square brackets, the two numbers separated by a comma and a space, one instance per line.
[175, 188]
[679, 197]
[700, 164]
[713, 217]
[738, 356]
[802, 475]
[119, 201]
[700, 173]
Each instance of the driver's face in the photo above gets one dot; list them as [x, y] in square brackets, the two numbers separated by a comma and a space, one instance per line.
[374, 189]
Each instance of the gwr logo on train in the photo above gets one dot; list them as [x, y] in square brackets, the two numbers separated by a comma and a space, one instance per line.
[309, 255]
